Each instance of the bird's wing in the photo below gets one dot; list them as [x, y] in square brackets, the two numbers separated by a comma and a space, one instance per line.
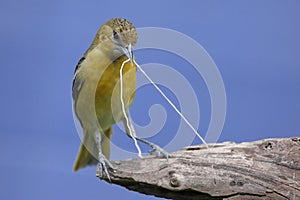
[77, 82]
[88, 151]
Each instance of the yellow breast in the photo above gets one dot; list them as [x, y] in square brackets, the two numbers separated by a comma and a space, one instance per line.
[107, 98]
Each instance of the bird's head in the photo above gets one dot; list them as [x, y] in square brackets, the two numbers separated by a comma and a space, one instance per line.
[116, 37]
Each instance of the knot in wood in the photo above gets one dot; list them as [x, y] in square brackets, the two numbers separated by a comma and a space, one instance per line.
[174, 179]
[174, 182]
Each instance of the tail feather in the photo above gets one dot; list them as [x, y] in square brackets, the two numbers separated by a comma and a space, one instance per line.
[85, 156]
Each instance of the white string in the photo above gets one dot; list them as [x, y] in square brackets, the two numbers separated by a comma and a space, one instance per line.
[131, 131]
[170, 102]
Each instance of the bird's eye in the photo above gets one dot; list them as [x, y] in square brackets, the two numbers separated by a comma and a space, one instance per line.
[115, 35]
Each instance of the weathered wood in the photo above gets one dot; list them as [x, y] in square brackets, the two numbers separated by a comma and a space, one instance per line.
[265, 169]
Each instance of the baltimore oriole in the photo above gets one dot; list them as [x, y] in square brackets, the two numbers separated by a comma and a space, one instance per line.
[96, 91]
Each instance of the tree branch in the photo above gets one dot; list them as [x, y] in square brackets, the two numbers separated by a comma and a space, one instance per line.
[265, 169]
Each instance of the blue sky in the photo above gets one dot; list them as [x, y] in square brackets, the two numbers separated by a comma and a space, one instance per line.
[255, 45]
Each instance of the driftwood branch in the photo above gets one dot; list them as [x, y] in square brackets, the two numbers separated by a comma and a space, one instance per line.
[265, 169]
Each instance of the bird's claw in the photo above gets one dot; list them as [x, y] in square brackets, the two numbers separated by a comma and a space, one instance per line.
[159, 152]
[102, 166]
[156, 150]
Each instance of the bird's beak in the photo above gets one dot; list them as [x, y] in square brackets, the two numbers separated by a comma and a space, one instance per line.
[128, 52]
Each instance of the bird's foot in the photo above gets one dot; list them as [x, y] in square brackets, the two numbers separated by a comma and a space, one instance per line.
[158, 151]
[102, 166]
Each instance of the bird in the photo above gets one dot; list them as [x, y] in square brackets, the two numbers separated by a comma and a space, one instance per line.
[96, 93]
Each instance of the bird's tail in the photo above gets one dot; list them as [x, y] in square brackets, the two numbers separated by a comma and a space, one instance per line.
[88, 152]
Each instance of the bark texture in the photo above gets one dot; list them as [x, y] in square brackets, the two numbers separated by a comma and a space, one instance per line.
[265, 169]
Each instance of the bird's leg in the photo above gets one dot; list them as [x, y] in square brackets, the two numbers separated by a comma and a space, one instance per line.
[103, 161]
[156, 150]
